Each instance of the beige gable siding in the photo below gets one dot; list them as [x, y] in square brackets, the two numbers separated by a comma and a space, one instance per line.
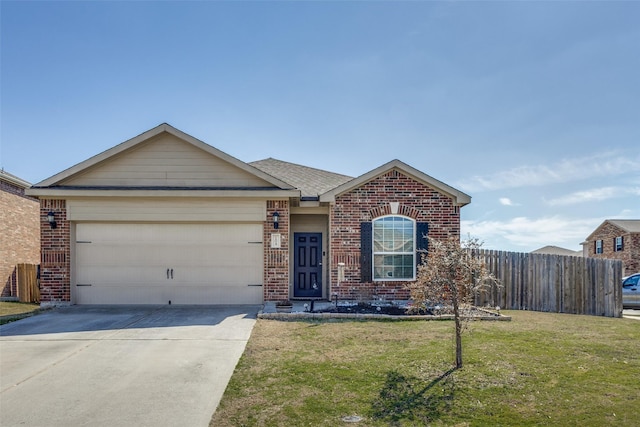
[166, 210]
[166, 160]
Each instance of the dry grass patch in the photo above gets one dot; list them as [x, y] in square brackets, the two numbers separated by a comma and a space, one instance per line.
[538, 369]
[10, 311]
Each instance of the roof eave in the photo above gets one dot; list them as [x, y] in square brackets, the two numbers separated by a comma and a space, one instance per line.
[609, 221]
[14, 180]
[64, 193]
[460, 198]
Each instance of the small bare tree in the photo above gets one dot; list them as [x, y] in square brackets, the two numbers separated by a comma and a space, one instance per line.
[449, 276]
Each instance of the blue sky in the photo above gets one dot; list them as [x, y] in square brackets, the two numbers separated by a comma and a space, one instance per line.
[532, 108]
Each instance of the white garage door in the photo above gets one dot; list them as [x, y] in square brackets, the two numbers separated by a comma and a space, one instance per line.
[157, 263]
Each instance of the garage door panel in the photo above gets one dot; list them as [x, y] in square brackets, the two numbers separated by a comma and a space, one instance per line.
[115, 256]
[106, 275]
[128, 263]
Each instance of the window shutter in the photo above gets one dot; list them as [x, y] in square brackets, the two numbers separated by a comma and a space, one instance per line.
[366, 252]
[422, 230]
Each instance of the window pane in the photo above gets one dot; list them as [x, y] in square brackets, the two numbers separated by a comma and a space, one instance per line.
[393, 248]
[407, 260]
[377, 239]
[381, 267]
[388, 246]
[408, 272]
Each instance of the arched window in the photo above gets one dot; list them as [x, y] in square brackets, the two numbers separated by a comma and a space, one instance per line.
[394, 248]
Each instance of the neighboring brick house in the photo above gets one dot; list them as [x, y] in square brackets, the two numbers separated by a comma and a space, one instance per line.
[164, 218]
[19, 230]
[616, 239]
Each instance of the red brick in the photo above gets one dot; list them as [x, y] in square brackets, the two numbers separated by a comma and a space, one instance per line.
[55, 274]
[607, 232]
[363, 204]
[19, 228]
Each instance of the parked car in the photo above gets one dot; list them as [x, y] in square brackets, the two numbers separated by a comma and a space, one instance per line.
[631, 291]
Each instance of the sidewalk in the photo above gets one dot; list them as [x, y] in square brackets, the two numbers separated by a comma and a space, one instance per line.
[631, 314]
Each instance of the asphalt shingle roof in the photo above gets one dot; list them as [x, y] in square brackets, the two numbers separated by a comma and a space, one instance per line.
[631, 225]
[556, 250]
[310, 181]
[6, 176]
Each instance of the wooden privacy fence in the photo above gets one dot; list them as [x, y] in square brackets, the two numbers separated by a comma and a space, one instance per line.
[553, 283]
[27, 279]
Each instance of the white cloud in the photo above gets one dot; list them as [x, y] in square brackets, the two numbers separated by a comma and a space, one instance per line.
[600, 165]
[593, 195]
[505, 201]
[626, 214]
[529, 234]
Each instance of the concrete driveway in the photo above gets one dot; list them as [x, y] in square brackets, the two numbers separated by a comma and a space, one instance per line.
[120, 366]
[630, 313]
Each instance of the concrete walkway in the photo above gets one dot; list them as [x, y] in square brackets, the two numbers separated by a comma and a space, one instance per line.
[120, 366]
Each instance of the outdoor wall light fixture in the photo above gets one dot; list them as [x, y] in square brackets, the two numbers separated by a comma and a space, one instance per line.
[276, 216]
[51, 217]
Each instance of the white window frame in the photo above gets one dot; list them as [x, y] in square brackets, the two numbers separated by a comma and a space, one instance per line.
[599, 249]
[618, 244]
[374, 253]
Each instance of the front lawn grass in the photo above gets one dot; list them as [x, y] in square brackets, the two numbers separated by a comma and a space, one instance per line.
[538, 369]
[10, 311]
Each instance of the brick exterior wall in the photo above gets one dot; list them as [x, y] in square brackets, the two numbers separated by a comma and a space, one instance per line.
[55, 270]
[20, 234]
[371, 200]
[56, 255]
[276, 260]
[630, 255]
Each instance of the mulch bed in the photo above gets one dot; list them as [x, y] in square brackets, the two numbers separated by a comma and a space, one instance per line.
[392, 310]
[365, 311]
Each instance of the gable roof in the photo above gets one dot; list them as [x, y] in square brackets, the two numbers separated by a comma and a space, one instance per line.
[74, 171]
[310, 181]
[459, 198]
[556, 250]
[13, 180]
[288, 179]
[627, 225]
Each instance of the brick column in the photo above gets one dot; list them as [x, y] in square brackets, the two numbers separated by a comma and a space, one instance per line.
[276, 260]
[55, 269]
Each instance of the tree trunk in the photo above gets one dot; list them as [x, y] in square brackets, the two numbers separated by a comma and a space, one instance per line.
[456, 315]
